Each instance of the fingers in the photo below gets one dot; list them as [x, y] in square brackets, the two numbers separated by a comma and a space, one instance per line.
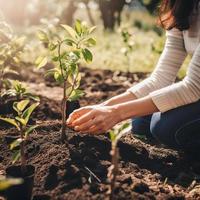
[83, 119]
[76, 114]
[95, 130]
[86, 126]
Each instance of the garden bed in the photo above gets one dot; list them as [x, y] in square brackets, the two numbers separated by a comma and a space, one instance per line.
[78, 169]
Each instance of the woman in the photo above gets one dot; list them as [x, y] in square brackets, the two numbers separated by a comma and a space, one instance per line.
[168, 111]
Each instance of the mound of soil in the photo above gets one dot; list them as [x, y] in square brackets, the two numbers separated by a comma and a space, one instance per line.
[77, 169]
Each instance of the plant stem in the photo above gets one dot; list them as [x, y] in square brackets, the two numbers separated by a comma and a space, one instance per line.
[114, 169]
[64, 108]
[22, 151]
[64, 100]
[1, 78]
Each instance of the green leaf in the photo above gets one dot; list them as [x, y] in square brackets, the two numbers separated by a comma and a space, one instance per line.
[52, 46]
[55, 58]
[112, 135]
[6, 183]
[78, 27]
[91, 42]
[69, 30]
[92, 29]
[70, 42]
[10, 121]
[27, 113]
[31, 96]
[20, 106]
[68, 90]
[21, 121]
[16, 143]
[42, 36]
[41, 62]
[58, 77]
[87, 55]
[30, 130]
[75, 95]
[16, 156]
[10, 71]
[78, 81]
[124, 126]
[50, 72]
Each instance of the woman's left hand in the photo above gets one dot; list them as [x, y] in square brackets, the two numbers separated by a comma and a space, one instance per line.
[95, 119]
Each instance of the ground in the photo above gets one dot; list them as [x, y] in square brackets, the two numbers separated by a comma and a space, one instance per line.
[77, 169]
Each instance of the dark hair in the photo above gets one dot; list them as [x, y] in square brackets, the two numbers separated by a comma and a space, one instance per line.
[176, 13]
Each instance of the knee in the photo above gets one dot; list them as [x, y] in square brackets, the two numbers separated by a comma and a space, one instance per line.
[156, 126]
[161, 128]
[140, 126]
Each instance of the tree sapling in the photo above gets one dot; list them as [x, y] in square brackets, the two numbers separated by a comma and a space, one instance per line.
[21, 123]
[67, 53]
[11, 47]
[115, 136]
[19, 91]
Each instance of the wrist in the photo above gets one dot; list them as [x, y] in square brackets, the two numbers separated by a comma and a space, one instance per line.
[117, 113]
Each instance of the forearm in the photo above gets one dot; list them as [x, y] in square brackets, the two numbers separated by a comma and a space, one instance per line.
[122, 98]
[135, 108]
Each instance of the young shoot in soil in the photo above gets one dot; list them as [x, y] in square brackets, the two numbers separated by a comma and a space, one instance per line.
[67, 52]
[21, 123]
[19, 91]
[11, 48]
[115, 136]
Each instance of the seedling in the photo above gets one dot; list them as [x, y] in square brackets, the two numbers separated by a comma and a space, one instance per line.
[11, 48]
[21, 124]
[128, 44]
[115, 136]
[67, 53]
[19, 91]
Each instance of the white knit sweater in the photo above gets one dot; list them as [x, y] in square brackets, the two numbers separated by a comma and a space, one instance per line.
[160, 85]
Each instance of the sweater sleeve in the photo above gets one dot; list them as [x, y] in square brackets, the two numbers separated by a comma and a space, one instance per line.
[185, 92]
[173, 55]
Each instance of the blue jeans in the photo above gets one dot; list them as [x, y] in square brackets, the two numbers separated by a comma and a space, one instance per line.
[178, 128]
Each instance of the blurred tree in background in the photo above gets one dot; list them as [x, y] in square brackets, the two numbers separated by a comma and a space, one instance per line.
[22, 11]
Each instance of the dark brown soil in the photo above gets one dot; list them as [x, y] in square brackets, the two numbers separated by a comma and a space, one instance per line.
[65, 171]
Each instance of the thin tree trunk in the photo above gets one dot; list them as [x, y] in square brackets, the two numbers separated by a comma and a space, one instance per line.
[64, 108]
[22, 152]
[113, 170]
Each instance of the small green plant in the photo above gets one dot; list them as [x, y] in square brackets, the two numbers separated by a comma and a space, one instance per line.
[115, 136]
[19, 91]
[128, 44]
[21, 123]
[11, 47]
[67, 52]
[5, 183]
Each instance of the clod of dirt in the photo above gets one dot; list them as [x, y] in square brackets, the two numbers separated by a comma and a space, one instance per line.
[75, 183]
[184, 179]
[72, 172]
[52, 178]
[141, 188]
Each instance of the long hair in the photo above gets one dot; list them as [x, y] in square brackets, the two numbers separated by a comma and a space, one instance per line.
[176, 13]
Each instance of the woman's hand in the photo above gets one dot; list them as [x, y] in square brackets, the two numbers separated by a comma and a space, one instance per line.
[95, 119]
